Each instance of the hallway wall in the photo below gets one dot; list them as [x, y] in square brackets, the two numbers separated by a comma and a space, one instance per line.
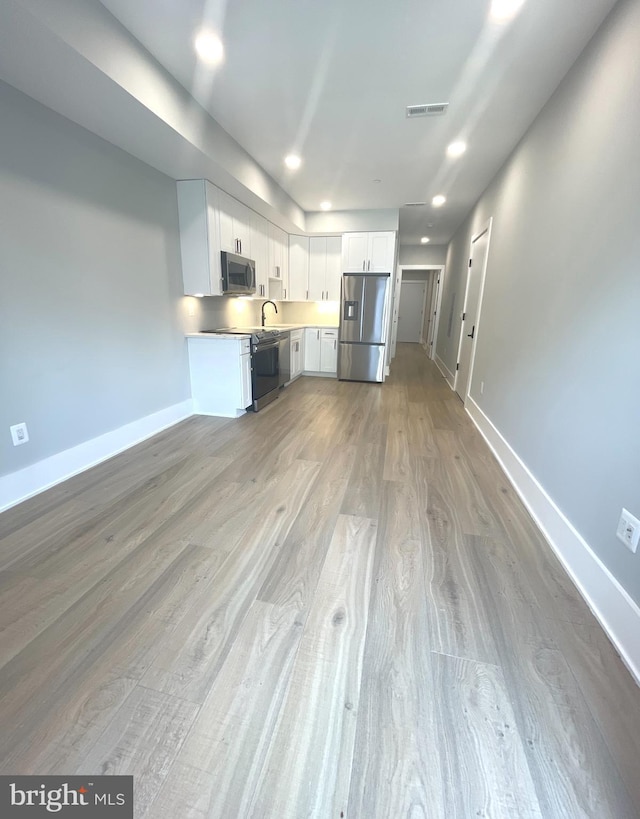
[559, 337]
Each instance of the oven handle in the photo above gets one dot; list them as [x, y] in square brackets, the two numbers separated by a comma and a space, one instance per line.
[264, 345]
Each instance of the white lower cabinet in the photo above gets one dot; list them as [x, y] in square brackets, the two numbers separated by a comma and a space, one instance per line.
[321, 350]
[220, 375]
[297, 353]
[328, 351]
[312, 349]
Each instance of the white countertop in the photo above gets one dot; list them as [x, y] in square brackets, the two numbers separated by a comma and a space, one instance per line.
[218, 336]
[268, 327]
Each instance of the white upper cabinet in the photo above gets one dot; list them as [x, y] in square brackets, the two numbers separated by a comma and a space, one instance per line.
[211, 221]
[368, 252]
[278, 263]
[355, 252]
[325, 268]
[334, 267]
[235, 225]
[260, 254]
[317, 267]
[199, 237]
[382, 249]
[298, 268]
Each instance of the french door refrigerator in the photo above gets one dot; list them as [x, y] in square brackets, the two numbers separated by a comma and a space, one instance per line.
[363, 326]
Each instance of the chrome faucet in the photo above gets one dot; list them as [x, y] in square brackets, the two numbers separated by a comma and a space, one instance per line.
[264, 305]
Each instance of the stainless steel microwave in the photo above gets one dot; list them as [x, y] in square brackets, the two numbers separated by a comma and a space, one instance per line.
[238, 274]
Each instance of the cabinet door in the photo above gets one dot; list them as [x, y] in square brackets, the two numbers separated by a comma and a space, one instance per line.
[298, 268]
[275, 252]
[260, 250]
[333, 275]
[243, 228]
[381, 252]
[296, 353]
[355, 252]
[245, 380]
[317, 267]
[312, 350]
[199, 237]
[284, 255]
[227, 231]
[236, 222]
[328, 353]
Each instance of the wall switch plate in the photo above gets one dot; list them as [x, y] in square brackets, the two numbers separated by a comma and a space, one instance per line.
[481, 387]
[19, 434]
[628, 530]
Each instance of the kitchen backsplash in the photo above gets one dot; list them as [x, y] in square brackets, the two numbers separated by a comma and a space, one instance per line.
[213, 312]
[310, 312]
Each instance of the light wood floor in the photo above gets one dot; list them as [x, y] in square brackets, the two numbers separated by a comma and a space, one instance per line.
[334, 608]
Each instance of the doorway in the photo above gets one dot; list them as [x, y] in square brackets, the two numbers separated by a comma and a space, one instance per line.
[430, 276]
[411, 310]
[471, 310]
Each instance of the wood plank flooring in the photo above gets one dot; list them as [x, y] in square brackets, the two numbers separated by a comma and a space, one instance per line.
[337, 607]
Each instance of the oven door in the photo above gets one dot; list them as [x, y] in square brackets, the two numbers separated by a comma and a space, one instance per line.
[265, 372]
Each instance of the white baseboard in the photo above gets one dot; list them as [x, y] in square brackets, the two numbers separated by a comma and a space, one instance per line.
[616, 611]
[445, 370]
[18, 486]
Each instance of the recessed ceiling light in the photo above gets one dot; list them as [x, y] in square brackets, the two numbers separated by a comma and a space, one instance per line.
[377, 180]
[424, 240]
[456, 148]
[325, 205]
[293, 161]
[209, 47]
[503, 10]
[438, 201]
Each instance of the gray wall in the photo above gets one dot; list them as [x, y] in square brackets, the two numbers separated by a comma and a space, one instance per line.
[90, 326]
[559, 338]
[422, 254]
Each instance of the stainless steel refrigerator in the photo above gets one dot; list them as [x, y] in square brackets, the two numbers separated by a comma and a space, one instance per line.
[364, 323]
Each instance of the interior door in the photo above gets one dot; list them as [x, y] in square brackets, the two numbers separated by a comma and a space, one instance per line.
[428, 311]
[411, 310]
[471, 312]
[434, 308]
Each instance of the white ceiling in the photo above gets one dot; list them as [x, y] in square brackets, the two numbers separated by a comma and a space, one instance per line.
[331, 80]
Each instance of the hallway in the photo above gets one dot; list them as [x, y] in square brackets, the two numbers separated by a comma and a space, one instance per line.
[337, 607]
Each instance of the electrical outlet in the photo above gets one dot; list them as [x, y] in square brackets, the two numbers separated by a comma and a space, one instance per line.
[19, 434]
[628, 530]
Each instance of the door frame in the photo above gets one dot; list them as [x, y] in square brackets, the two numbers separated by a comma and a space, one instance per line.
[436, 302]
[485, 228]
[439, 269]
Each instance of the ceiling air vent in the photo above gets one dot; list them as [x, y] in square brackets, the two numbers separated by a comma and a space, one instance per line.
[435, 109]
[414, 204]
